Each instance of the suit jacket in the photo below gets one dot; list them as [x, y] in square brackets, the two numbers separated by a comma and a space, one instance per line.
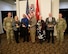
[53, 22]
[14, 25]
[25, 21]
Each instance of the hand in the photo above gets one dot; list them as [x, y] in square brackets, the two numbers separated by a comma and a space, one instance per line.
[29, 25]
[23, 25]
[40, 27]
[5, 29]
[63, 30]
[16, 24]
[50, 25]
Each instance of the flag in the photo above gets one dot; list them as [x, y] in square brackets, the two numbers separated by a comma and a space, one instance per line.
[27, 8]
[37, 10]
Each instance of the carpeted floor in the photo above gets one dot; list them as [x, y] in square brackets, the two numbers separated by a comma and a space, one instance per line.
[30, 48]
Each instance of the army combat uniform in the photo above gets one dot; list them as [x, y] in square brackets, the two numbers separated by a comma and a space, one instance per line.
[61, 27]
[7, 24]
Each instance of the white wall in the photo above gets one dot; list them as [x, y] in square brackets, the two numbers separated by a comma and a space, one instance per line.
[22, 9]
[55, 8]
[45, 7]
[63, 5]
[55, 12]
[5, 7]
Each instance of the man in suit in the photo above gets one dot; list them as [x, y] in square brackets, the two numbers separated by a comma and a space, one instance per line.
[50, 23]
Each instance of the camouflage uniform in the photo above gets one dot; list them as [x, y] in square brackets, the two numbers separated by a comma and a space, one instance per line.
[61, 27]
[7, 24]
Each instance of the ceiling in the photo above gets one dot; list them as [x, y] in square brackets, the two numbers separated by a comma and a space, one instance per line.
[12, 1]
[9, 1]
[63, 0]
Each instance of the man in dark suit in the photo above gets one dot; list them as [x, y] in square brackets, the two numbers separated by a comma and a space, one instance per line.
[50, 22]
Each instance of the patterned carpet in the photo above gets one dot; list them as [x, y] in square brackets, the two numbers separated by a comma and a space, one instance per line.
[30, 48]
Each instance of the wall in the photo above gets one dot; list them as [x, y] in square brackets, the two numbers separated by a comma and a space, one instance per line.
[5, 7]
[55, 8]
[45, 7]
[55, 12]
[63, 5]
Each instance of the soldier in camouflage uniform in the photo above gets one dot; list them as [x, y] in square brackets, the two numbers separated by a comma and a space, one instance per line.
[7, 24]
[61, 27]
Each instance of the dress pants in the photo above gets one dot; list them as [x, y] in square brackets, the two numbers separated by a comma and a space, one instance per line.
[48, 35]
[16, 33]
[25, 34]
[33, 34]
